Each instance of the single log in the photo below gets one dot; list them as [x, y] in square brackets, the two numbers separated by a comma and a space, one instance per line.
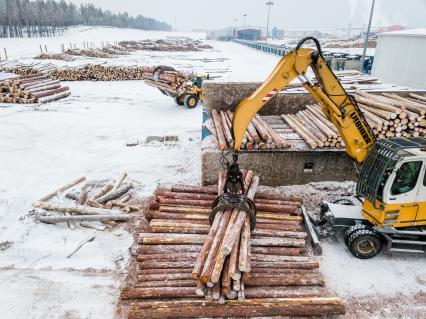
[54, 97]
[160, 284]
[156, 239]
[166, 249]
[219, 129]
[157, 292]
[293, 210]
[179, 195]
[82, 218]
[233, 261]
[50, 92]
[182, 209]
[154, 214]
[250, 308]
[62, 189]
[195, 189]
[185, 202]
[285, 264]
[281, 251]
[277, 202]
[165, 277]
[119, 181]
[176, 256]
[103, 191]
[157, 271]
[278, 233]
[75, 209]
[166, 264]
[113, 194]
[278, 259]
[243, 260]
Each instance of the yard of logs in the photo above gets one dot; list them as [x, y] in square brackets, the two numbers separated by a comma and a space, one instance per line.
[181, 267]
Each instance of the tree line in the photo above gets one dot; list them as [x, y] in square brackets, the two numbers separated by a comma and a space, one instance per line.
[25, 18]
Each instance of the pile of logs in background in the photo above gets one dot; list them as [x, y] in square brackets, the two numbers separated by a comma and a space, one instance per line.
[99, 72]
[389, 115]
[165, 45]
[183, 268]
[259, 134]
[31, 88]
[89, 203]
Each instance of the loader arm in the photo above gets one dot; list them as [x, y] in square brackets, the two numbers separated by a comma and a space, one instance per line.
[338, 106]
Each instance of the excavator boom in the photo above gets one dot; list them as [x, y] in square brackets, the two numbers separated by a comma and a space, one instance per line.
[338, 106]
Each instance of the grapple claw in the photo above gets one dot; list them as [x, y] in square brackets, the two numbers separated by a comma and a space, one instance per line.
[234, 201]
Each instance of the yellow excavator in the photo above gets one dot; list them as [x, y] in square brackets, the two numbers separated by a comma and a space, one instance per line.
[391, 184]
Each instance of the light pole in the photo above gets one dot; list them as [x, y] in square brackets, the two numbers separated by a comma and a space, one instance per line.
[235, 28]
[269, 4]
[245, 16]
[366, 36]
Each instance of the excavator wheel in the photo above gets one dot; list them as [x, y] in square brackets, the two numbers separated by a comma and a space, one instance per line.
[365, 243]
[180, 100]
[191, 101]
[351, 230]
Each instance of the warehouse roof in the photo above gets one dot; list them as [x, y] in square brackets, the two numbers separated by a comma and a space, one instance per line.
[420, 32]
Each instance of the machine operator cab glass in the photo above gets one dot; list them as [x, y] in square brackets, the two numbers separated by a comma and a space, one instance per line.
[406, 183]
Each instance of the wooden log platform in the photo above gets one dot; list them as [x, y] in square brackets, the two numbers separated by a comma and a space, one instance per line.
[280, 277]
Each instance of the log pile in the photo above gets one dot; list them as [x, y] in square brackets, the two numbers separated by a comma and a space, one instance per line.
[94, 201]
[32, 88]
[259, 134]
[55, 56]
[26, 69]
[389, 115]
[100, 72]
[92, 53]
[182, 45]
[268, 273]
[173, 82]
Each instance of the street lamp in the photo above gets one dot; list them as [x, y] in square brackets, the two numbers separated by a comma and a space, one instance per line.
[269, 4]
[366, 36]
[245, 16]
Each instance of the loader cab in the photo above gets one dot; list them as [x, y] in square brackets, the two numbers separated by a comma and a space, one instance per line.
[392, 181]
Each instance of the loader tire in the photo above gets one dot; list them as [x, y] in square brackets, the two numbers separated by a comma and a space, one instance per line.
[365, 244]
[351, 230]
[180, 100]
[191, 101]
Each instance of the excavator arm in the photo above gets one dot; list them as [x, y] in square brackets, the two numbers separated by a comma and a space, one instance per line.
[338, 106]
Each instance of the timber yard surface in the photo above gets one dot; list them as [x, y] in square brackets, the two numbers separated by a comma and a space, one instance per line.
[101, 131]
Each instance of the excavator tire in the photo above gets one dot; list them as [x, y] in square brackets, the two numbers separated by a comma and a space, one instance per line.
[191, 101]
[365, 243]
[180, 100]
[351, 230]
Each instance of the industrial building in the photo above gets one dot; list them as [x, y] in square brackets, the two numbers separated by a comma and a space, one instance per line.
[399, 58]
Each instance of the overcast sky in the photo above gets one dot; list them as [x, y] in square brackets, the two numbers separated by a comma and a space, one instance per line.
[288, 14]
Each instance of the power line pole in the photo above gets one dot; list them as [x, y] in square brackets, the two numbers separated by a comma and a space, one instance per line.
[245, 16]
[269, 4]
[367, 35]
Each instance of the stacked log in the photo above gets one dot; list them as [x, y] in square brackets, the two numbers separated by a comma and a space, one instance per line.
[100, 72]
[171, 81]
[104, 201]
[27, 69]
[258, 136]
[165, 45]
[282, 280]
[31, 88]
[389, 115]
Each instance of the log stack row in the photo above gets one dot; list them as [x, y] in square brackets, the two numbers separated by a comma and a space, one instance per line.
[100, 72]
[259, 134]
[55, 56]
[165, 45]
[178, 244]
[389, 115]
[26, 69]
[92, 201]
[32, 88]
[174, 82]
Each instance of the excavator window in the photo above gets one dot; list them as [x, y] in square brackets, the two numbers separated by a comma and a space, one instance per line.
[406, 178]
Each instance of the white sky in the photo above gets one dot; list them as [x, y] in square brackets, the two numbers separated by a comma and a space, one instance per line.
[308, 14]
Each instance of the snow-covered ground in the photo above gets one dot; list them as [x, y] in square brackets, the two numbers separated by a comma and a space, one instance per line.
[43, 148]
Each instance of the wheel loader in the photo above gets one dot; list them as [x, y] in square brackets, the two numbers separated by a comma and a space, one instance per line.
[391, 187]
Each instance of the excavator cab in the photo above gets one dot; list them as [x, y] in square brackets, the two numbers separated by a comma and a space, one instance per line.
[392, 208]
